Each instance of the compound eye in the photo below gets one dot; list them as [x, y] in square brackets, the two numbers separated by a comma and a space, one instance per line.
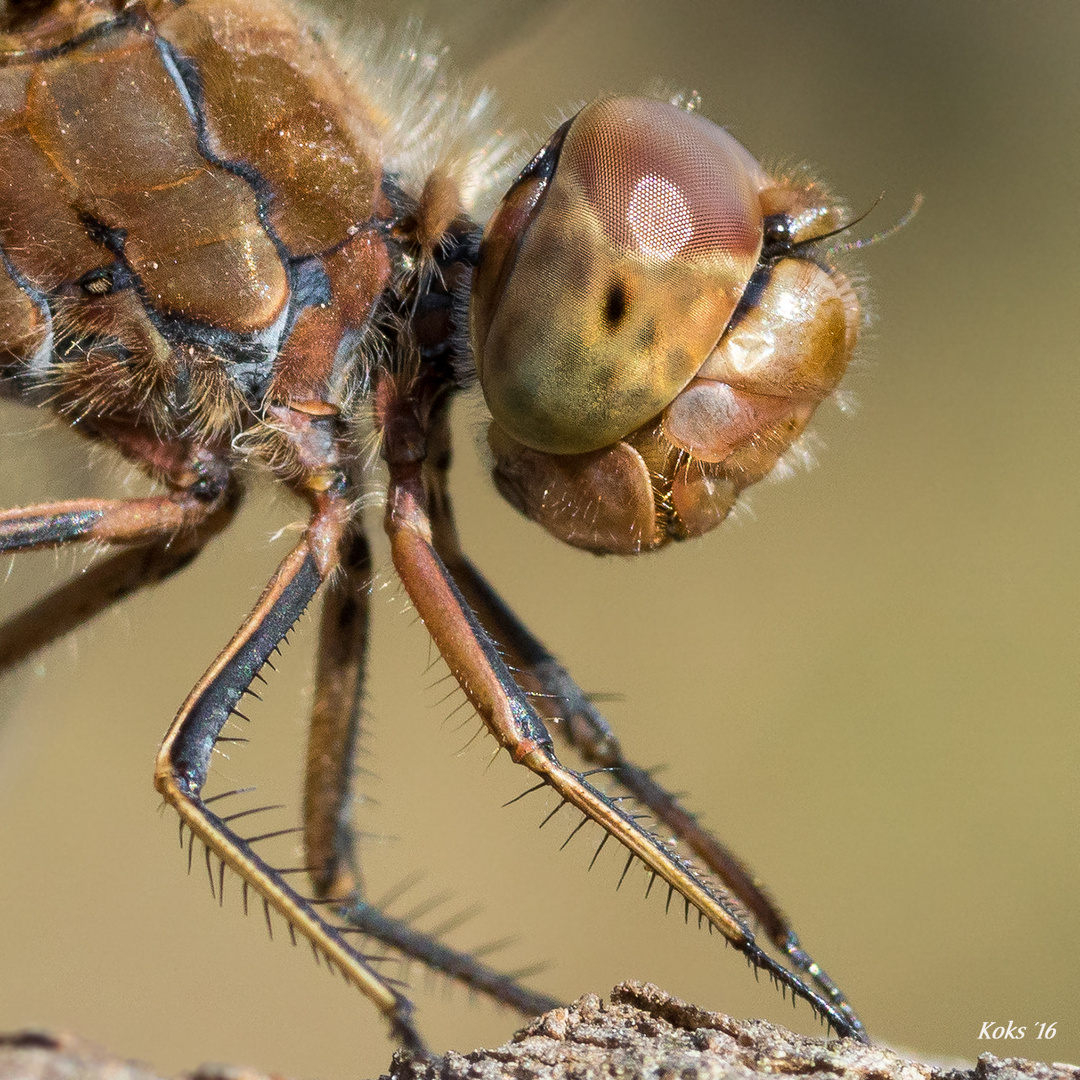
[610, 271]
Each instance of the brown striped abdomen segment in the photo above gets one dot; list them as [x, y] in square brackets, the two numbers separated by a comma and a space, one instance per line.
[186, 187]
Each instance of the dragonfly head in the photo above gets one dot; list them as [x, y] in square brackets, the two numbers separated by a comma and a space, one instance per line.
[651, 324]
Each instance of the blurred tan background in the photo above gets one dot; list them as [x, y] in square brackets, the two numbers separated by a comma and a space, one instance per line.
[868, 683]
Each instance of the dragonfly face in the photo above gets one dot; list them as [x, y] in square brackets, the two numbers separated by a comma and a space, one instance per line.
[213, 258]
[651, 325]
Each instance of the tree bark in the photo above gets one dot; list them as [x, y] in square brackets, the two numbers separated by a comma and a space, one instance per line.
[642, 1033]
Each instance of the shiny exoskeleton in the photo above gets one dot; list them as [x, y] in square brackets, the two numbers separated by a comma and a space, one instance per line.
[217, 252]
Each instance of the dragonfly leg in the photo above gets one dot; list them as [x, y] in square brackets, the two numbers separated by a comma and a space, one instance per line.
[577, 719]
[460, 966]
[107, 521]
[328, 837]
[160, 536]
[334, 730]
[508, 714]
[184, 759]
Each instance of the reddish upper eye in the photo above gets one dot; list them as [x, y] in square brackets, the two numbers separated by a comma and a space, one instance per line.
[665, 184]
[610, 272]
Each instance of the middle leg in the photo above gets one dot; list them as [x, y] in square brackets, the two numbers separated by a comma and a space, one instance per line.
[329, 840]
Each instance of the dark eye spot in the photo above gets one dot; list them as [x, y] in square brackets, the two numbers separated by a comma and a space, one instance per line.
[616, 305]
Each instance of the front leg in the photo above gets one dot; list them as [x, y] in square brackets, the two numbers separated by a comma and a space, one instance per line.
[505, 709]
[580, 722]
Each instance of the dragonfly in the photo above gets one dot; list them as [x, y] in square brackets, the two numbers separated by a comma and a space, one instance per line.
[222, 253]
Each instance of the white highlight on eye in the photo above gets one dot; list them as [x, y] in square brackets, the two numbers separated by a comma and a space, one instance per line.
[659, 217]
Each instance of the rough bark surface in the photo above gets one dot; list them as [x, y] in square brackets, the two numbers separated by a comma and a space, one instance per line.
[642, 1033]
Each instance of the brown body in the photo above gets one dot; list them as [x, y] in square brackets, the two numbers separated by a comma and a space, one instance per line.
[158, 180]
[207, 260]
